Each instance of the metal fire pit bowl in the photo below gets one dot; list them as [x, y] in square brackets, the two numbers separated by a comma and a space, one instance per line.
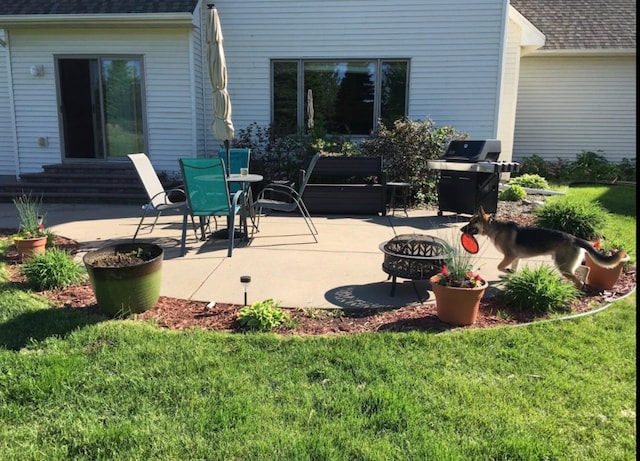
[414, 257]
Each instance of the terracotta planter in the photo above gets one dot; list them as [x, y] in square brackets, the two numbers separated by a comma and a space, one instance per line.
[455, 305]
[123, 290]
[29, 247]
[601, 277]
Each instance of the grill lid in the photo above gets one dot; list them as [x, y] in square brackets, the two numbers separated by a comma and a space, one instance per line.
[487, 150]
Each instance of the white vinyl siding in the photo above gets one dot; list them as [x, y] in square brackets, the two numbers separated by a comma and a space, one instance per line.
[454, 48]
[7, 144]
[168, 84]
[567, 105]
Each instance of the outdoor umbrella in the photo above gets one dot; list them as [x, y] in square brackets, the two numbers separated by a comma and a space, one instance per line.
[222, 125]
[310, 111]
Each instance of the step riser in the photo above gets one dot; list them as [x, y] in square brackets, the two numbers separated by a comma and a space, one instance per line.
[80, 183]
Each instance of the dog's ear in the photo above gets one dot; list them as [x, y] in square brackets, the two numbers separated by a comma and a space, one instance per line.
[481, 212]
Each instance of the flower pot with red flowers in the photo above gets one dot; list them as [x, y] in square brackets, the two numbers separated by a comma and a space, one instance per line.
[604, 278]
[458, 289]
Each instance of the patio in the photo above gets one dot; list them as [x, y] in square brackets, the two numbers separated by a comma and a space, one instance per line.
[344, 269]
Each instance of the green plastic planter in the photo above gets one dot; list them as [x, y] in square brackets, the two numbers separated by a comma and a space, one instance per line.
[125, 290]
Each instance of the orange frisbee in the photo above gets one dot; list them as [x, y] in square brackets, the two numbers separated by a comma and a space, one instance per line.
[469, 243]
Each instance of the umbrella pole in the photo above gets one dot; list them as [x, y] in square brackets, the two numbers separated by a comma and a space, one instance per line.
[226, 146]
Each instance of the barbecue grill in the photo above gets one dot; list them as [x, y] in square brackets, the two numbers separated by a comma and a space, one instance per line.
[470, 175]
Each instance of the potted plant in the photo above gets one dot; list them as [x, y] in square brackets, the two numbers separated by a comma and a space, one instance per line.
[458, 288]
[125, 277]
[31, 237]
[604, 278]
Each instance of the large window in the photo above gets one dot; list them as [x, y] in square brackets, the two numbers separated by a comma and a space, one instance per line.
[346, 97]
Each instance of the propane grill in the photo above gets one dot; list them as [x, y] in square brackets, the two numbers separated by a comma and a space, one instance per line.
[470, 175]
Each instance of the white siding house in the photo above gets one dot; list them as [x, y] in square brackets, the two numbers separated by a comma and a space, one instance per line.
[469, 62]
[578, 91]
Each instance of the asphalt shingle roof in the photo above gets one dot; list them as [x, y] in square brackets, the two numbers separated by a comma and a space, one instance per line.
[27, 7]
[582, 24]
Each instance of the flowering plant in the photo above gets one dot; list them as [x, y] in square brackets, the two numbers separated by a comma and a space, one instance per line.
[457, 270]
[31, 220]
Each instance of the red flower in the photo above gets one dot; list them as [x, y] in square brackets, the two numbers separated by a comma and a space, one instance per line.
[444, 271]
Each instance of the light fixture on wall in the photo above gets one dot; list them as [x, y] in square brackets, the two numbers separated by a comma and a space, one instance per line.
[37, 70]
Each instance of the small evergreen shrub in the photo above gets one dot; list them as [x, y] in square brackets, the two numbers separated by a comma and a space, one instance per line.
[581, 218]
[53, 269]
[533, 181]
[263, 315]
[542, 290]
[512, 193]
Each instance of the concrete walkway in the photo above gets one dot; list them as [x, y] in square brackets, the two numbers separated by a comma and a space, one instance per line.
[344, 269]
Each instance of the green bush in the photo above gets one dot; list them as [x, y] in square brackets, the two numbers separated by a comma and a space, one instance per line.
[53, 269]
[581, 218]
[512, 193]
[534, 165]
[541, 290]
[262, 315]
[533, 181]
[406, 147]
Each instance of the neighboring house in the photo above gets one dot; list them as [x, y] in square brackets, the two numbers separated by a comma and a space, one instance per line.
[578, 91]
[82, 80]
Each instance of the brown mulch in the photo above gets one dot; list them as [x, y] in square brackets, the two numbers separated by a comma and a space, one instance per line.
[179, 314]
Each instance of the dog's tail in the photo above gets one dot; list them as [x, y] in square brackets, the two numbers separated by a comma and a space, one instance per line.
[600, 258]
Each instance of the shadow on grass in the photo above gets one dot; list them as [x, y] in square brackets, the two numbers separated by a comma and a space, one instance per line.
[39, 325]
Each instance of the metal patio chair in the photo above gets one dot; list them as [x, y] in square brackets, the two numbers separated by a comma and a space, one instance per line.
[208, 196]
[289, 199]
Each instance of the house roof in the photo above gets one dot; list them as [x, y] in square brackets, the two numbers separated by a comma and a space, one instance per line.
[75, 7]
[582, 24]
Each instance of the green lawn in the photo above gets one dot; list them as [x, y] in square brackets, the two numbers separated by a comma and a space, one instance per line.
[75, 387]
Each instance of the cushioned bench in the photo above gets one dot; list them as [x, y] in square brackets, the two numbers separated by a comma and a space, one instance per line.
[347, 185]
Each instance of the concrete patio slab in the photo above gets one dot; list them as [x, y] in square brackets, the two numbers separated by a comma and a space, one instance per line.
[344, 269]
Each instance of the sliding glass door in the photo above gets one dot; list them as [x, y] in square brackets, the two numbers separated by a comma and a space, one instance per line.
[101, 106]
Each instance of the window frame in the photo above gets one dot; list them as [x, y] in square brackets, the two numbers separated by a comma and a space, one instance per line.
[301, 94]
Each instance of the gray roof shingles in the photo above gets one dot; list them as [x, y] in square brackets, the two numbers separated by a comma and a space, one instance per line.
[582, 24]
[27, 7]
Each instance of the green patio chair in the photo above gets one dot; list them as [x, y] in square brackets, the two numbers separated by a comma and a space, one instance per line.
[208, 196]
[238, 159]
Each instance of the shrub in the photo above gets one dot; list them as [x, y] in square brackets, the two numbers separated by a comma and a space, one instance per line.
[406, 147]
[534, 165]
[581, 218]
[533, 181]
[262, 315]
[53, 269]
[541, 290]
[512, 193]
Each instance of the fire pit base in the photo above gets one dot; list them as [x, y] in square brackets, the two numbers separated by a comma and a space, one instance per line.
[413, 256]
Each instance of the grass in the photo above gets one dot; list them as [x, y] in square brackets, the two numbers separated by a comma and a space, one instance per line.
[73, 386]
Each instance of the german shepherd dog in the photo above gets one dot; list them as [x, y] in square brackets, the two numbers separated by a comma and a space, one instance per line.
[515, 241]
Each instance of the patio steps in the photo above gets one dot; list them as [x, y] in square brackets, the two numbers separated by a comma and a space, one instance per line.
[79, 183]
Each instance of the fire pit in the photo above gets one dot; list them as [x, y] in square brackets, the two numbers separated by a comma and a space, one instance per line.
[413, 256]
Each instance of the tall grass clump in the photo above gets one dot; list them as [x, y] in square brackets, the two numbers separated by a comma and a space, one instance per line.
[53, 269]
[581, 218]
[540, 290]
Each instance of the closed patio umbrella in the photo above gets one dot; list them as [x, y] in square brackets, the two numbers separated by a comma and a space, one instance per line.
[222, 125]
[310, 111]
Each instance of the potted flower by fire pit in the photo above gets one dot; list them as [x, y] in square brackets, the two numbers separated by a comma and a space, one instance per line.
[604, 278]
[125, 277]
[31, 237]
[458, 288]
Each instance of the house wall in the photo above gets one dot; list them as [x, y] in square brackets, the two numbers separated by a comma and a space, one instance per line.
[7, 144]
[169, 88]
[569, 104]
[454, 46]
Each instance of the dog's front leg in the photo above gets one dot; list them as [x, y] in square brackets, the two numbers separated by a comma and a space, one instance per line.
[515, 264]
[506, 261]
